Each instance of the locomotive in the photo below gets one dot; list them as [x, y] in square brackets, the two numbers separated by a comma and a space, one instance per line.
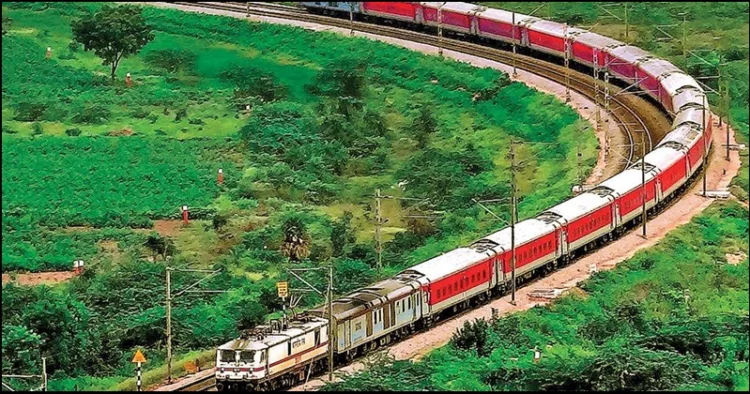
[287, 353]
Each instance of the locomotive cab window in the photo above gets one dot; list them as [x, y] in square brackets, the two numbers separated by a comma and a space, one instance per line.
[247, 356]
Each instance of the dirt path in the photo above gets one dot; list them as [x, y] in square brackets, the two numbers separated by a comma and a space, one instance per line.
[39, 278]
[167, 228]
[720, 174]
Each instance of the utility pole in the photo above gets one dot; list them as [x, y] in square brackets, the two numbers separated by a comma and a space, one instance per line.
[724, 104]
[643, 183]
[329, 302]
[684, 34]
[378, 245]
[513, 222]
[248, 9]
[513, 41]
[705, 148]
[597, 112]
[169, 319]
[331, 323]
[351, 18]
[579, 177]
[440, 29]
[627, 25]
[566, 50]
[170, 297]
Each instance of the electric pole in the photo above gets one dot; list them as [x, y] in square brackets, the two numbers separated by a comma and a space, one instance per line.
[331, 323]
[597, 111]
[643, 183]
[329, 302]
[378, 245]
[440, 29]
[566, 50]
[705, 148]
[513, 41]
[169, 320]
[627, 25]
[513, 222]
[351, 18]
[170, 297]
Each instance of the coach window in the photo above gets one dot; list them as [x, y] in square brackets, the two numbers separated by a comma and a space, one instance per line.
[455, 286]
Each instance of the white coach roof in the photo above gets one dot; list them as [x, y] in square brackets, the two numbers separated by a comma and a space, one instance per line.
[579, 206]
[449, 263]
[526, 231]
[596, 40]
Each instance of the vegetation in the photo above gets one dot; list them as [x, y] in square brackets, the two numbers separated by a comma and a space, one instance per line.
[717, 35]
[113, 33]
[674, 317]
[98, 170]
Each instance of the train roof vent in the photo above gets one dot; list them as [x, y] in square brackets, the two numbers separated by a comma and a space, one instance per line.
[637, 166]
[483, 245]
[548, 217]
[689, 87]
[674, 145]
[601, 191]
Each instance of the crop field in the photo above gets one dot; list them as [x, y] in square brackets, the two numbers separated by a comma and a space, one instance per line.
[674, 317]
[306, 126]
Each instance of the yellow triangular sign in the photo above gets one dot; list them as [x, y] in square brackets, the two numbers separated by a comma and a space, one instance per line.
[139, 358]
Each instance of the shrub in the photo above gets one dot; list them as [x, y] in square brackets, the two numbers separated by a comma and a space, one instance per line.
[30, 111]
[94, 114]
[37, 128]
[74, 132]
[171, 60]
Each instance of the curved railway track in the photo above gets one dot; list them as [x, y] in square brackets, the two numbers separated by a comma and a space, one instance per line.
[634, 115]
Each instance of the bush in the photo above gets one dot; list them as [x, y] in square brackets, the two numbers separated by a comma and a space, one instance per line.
[30, 111]
[94, 114]
[74, 132]
[37, 128]
[172, 60]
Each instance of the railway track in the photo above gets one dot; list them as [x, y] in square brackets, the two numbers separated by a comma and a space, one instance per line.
[633, 114]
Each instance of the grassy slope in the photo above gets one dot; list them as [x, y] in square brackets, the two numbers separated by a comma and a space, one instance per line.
[631, 318]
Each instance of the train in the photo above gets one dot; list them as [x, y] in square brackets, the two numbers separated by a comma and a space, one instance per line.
[287, 352]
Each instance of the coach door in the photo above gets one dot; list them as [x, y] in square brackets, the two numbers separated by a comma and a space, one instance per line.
[563, 250]
[616, 215]
[386, 316]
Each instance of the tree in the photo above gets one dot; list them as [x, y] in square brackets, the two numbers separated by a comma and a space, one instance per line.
[423, 126]
[219, 221]
[6, 24]
[160, 245]
[342, 234]
[113, 33]
[296, 244]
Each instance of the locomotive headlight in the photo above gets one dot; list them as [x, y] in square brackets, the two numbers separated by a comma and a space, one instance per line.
[222, 369]
[236, 370]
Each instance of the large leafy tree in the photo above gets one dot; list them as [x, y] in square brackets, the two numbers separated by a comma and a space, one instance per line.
[342, 234]
[113, 33]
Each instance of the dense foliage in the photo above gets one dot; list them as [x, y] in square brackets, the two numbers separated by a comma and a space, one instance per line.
[674, 317]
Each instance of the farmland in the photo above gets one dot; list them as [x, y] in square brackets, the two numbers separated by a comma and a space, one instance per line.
[97, 170]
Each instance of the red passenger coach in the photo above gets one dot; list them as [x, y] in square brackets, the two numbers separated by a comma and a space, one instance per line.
[585, 44]
[455, 16]
[498, 24]
[622, 61]
[393, 10]
[673, 169]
